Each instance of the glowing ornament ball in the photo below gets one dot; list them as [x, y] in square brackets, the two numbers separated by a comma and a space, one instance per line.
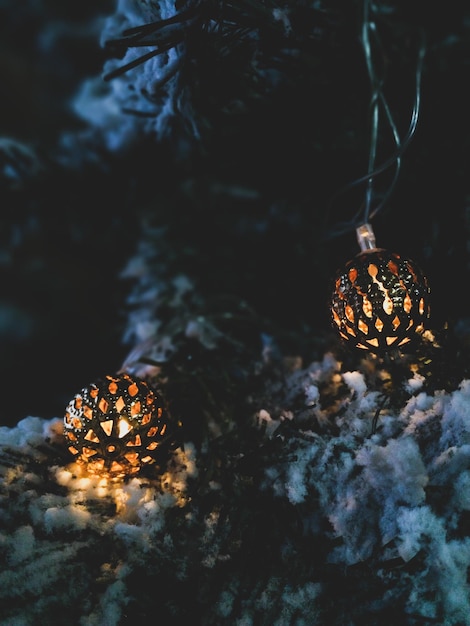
[116, 426]
[380, 300]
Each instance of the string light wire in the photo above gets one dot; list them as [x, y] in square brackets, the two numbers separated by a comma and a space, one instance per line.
[379, 109]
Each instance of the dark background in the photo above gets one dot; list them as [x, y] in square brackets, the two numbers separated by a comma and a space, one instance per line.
[67, 231]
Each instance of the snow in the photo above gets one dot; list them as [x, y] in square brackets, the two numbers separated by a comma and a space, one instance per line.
[374, 493]
[309, 497]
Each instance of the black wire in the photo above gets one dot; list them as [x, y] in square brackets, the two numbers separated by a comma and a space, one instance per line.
[365, 213]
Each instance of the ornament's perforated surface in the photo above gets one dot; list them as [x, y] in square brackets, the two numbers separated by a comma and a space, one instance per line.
[380, 301]
[116, 425]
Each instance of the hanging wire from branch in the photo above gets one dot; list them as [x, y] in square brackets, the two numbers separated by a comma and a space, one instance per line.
[379, 110]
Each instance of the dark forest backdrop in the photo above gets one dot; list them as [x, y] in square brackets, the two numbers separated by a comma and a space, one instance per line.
[182, 216]
[281, 113]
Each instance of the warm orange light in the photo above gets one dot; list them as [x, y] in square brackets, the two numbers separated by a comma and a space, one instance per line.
[116, 425]
[379, 301]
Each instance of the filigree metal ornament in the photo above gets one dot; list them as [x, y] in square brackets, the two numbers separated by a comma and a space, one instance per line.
[380, 301]
[116, 425]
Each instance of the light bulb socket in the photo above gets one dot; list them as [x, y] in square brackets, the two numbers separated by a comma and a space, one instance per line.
[365, 237]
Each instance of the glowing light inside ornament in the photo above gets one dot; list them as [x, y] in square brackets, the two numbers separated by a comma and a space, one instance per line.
[380, 301]
[123, 427]
[116, 425]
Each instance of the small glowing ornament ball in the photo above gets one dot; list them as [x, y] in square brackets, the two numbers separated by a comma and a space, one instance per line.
[380, 301]
[116, 425]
